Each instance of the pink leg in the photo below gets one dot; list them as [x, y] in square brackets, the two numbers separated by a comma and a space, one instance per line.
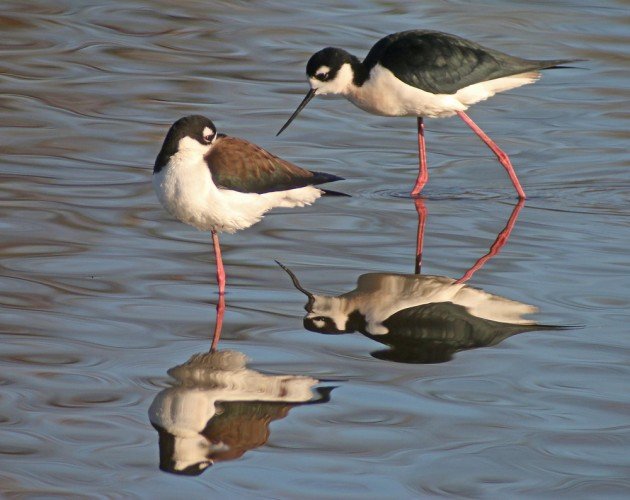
[422, 220]
[219, 323]
[503, 158]
[423, 171]
[501, 240]
[219, 262]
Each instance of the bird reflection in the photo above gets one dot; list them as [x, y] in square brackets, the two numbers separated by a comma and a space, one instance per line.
[421, 318]
[218, 409]
[498, 244]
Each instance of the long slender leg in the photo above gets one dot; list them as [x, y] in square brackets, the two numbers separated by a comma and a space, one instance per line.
[500, 241]
[422, 220]
[218, 326]
[503, 158]
[219, 262]
[423, 171]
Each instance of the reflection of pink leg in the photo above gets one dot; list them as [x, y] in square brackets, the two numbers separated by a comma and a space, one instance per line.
[497, 245]
[422, 220]
[423, 171]
[503, 158]
[219, 262]
[219, 323]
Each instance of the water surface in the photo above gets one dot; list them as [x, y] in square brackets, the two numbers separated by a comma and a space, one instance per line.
[103, 293]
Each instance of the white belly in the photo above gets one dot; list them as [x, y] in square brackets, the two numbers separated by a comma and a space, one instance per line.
[187, 192]
[384, 94]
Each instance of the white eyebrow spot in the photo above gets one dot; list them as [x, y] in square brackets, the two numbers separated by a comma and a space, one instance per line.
[319, 323]
[322, 70]
[207, 131]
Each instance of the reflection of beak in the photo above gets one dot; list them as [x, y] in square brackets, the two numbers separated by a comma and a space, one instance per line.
[305, 101]
[296, 283]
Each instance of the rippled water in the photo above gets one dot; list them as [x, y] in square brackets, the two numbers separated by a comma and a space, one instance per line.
[102, 293]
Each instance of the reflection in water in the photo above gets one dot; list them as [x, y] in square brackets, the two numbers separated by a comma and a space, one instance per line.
[218, 326]
[422, 319]
[499, 241]
[218, 409]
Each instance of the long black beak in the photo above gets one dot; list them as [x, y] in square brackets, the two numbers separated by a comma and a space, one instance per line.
[296, 284]
[305, 101]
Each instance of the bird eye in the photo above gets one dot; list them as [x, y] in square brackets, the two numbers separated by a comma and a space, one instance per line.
[321, 76]
[208, 135]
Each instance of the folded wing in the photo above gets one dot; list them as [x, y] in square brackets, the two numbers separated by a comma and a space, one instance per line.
[442, 64]
[239, 165]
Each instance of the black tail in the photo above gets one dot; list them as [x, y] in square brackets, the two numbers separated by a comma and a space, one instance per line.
[321, 177]
[329, 192]
[558, 63]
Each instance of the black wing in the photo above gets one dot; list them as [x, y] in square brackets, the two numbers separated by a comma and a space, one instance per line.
[442, 64]
[450, 323]
[241, 166]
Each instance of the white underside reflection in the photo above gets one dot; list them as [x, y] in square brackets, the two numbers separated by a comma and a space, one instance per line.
[218, 409]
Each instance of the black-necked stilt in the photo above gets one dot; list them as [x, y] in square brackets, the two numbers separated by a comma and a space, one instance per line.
[219, 183]
[422, 319]
[426, 74]
[218, 409]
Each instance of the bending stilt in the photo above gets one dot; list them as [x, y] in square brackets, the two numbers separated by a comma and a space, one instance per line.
[500, 241]
[503, 158]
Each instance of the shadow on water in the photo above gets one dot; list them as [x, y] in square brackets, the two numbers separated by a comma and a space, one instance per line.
[422, 318]
[218, 409]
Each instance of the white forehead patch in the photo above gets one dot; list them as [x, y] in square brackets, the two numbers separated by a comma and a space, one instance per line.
[319, 323]
[341, 84]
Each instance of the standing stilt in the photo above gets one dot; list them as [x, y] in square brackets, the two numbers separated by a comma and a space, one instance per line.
[219, 263]
[423, 171]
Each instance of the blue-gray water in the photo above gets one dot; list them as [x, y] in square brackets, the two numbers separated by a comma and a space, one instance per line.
[102, 292]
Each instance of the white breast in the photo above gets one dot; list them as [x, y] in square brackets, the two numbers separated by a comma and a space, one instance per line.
[185, 188]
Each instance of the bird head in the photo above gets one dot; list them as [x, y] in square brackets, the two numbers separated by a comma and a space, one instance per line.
[329, 71]
[324, 313]
[194, 133]
[327, 315]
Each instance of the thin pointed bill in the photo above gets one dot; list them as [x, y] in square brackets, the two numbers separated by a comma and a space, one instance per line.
[305, 101]
[296, 284]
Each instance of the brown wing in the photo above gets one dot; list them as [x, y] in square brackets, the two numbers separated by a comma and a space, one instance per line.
[239, 165]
